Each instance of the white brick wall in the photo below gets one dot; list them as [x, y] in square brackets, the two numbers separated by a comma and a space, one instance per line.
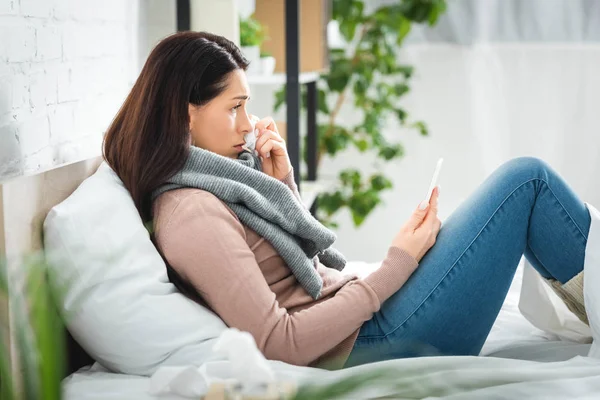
[65, 69]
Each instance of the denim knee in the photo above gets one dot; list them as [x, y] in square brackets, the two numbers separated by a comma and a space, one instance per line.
[526, 168]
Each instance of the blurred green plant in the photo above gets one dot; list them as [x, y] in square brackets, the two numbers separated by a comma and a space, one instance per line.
[252, 33]
[371, 72]
[39, 349]
[348, 387]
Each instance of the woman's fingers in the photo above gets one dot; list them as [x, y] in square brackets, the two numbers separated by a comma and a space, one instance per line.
[272, 145]
[433, 208]
[267, 123]
[267, 135]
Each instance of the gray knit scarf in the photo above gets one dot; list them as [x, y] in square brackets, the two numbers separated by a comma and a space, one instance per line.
[267, 206]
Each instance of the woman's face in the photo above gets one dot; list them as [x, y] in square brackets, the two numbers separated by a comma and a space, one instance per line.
[220, 125]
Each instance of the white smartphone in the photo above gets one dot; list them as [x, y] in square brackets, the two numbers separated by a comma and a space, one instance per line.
[434, 180]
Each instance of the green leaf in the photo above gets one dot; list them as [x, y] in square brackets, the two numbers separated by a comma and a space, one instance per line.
[359, 8]
[380, 182]
[348, 29]
[401, 114]
[438, 9]
[400, 89]
[380, 16]
[371, 122]
[322, 101]
[334, 140]
[358, 218]
[361, 204]
[339, 75]
[374, 33]
[420, 125]
[338, 83]
[405, 70]
[378, 139]
[360, 87]
[389, 152]
[341, 9]
[361, 144]
[386, 64]
[422, 10]
[403, 30]
[331, 202]
[349, 15]
[352, 178]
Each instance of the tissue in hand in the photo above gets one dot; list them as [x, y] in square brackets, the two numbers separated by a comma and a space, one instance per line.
[250, 138]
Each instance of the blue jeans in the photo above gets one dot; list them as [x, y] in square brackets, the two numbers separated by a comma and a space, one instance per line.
[450, 303]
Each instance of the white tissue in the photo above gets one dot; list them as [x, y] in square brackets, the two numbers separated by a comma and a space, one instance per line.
[250, 138]
[248, 365]
[246, 368]
[183, 381]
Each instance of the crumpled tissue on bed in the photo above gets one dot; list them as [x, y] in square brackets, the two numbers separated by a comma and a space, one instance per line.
[246, 371]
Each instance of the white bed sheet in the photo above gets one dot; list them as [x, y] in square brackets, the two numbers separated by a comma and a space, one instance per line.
[512, 339]
[419, 378]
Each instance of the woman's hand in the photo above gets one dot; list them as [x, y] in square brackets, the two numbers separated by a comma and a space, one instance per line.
[418, 235]
[277, 164]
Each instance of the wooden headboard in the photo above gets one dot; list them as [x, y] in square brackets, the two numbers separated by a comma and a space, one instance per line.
[24, 203]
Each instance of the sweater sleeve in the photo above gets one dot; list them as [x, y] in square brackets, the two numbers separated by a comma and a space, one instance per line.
[205, 243]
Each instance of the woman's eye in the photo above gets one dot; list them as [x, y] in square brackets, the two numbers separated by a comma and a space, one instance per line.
[236, 107]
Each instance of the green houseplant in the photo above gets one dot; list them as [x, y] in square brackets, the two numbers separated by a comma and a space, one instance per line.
[371, 73]
[252, 35]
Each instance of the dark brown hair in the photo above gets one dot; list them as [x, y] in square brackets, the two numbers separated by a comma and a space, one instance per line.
[148, 140]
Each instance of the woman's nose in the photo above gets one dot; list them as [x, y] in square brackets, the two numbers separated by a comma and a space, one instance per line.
[246, 124]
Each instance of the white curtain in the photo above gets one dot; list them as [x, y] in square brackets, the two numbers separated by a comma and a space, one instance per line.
[495, 79]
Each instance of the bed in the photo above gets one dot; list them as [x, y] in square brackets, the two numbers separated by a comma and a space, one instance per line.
[519, 360]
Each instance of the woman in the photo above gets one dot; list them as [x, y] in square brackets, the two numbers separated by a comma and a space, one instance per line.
[176, 145]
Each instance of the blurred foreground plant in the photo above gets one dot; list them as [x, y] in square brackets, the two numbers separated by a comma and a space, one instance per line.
[38, 333]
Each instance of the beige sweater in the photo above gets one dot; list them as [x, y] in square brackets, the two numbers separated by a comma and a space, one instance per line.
[241, 277]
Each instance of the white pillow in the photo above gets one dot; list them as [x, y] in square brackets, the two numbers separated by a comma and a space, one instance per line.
[121, 307]
[591, 280]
